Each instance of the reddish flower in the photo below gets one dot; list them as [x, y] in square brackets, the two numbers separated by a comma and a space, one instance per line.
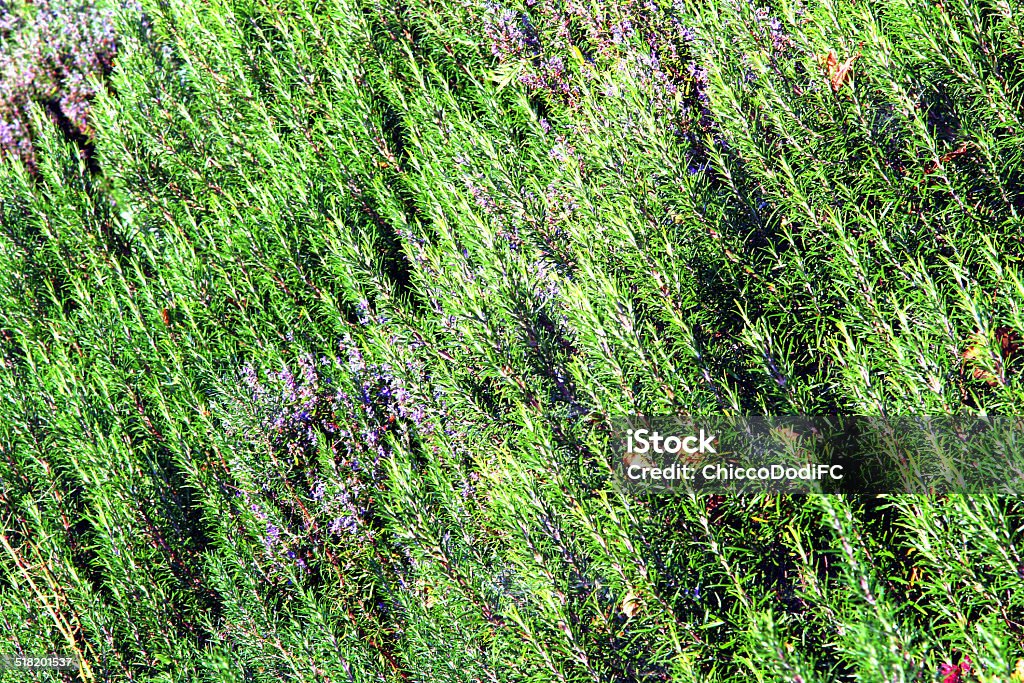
[952, 673]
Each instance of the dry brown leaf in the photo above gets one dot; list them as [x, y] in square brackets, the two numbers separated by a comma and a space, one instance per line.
[1009, 341]
[829, 61]
[947, 157]
[631, 458]
[1009, 345]
[838, 73]
[630, 605]
[788, 434]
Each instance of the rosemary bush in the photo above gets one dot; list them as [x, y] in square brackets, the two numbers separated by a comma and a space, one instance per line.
[308, 374]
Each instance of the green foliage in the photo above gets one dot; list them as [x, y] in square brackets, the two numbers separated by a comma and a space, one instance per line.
[311, 378]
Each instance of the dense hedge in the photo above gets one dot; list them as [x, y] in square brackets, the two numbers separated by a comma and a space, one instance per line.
[312, 332]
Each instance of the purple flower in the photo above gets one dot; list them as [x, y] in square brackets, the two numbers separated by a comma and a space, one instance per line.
[307, 363]
[362, 312]
[51, 57]
[355, 359]
[780, 41]
[344, 523]
[291, 387]
[510, 34]
[251, 379]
